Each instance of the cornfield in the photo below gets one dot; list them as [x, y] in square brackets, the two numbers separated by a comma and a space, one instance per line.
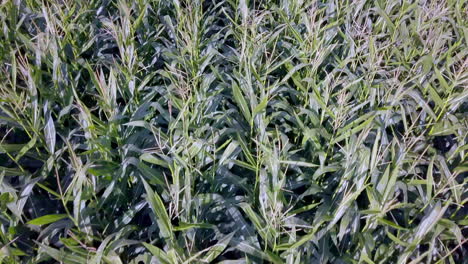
[233, 131]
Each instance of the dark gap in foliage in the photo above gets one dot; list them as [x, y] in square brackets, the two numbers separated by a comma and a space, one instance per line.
[444, 143]
[362, 201]
[30, 164]
[143, 218]
[232, 254]
[15, 136]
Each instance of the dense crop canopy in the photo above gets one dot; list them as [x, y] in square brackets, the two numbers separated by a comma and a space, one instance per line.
[233, 131]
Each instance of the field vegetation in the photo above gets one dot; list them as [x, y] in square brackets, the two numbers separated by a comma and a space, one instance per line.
[233, 131]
